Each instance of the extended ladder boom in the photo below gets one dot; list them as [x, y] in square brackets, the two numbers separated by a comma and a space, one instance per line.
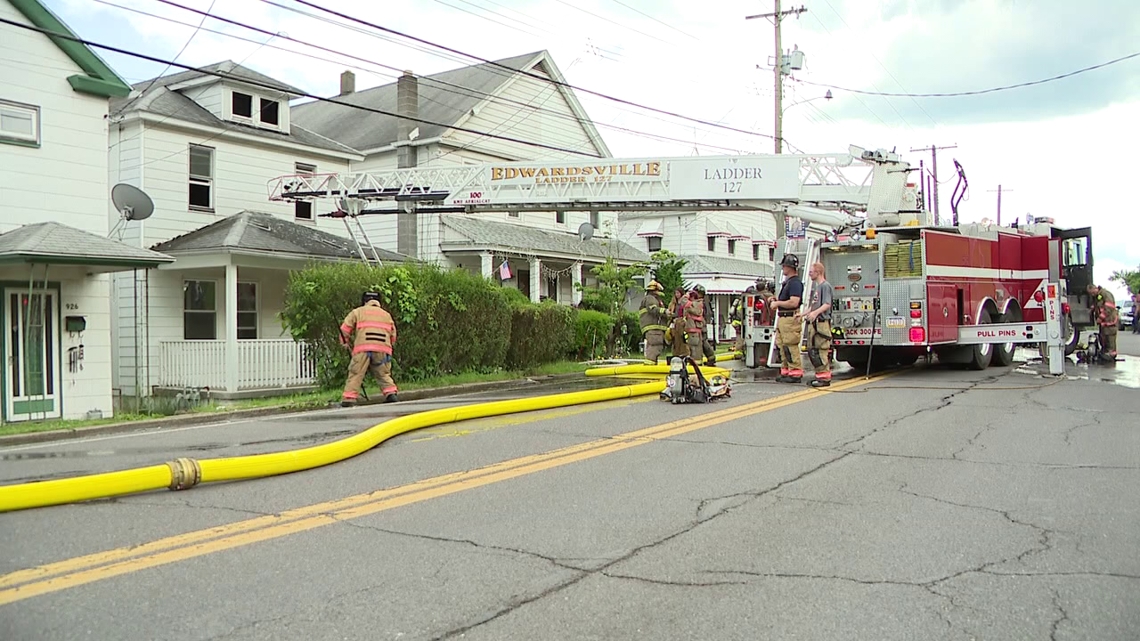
[860, 180]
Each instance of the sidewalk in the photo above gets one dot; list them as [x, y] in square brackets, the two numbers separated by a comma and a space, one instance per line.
[203, 418]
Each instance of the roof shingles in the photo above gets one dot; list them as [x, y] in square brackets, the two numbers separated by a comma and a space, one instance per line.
[532, 240]
[696, 264]
[52, 241]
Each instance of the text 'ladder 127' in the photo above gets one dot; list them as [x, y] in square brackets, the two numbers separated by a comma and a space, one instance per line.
[807, 250]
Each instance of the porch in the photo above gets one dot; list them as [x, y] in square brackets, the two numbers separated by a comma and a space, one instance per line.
[266, 367]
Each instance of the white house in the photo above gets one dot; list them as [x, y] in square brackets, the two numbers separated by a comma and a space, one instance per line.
[203, 145]
[55, 256]
[518, 97]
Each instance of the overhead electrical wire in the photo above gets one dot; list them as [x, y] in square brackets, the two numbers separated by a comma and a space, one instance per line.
[263, 85]
[978, 92]
[467, 91]
[533, 75]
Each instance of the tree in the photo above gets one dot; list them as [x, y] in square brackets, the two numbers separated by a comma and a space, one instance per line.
[667, 270]
[613, 284]
[1130, 278]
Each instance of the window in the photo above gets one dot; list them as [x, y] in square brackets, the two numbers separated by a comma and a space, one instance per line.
[303, 210]
[772, 254]
[712, 243]
[201, 178]
[241, 104]
[19, 123]
[199, 310]
[731, 247]
[756, 252]
[247, 311]
[560, 217]
[513, 214]
[595, 220]
[268, 113]
[654, 243]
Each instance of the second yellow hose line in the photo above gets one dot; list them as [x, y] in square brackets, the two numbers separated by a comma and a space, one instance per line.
[185, 473]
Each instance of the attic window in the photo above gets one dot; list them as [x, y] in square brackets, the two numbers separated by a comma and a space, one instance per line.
[242, 104]
[268, 111]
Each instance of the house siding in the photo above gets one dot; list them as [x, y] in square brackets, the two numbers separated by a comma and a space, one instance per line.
[686, 234]
[65, 178]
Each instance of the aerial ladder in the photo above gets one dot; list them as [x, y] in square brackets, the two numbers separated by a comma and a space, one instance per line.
[837, 192]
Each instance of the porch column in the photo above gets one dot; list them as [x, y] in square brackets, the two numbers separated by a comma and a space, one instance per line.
[231, 327]
[487, 265]
[575, 281]
[535, 279]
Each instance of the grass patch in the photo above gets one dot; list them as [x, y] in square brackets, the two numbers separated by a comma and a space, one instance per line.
[296, 402]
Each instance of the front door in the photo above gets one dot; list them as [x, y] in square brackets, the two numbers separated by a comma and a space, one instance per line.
[31, 351]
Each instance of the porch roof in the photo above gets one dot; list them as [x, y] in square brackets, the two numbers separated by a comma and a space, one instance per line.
[58, 244]
[696, 264]
[492, 235]
[258, 232]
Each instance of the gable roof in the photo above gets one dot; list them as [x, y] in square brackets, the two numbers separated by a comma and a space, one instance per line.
[442, 100]
[531, 240]
[156, 97]
[255, 231]
[97, 78]
[697, 264]
[56, 243]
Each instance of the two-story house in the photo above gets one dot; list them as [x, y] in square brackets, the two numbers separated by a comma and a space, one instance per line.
[724, 251]
[523, 97]
[55, 253]
[203, 145]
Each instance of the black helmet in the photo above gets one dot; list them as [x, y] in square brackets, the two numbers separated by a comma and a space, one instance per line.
[765, 283]
[700, 289]
[369, 296]
[790, 260]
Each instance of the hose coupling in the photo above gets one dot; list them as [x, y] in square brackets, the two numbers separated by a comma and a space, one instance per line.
[185, 473]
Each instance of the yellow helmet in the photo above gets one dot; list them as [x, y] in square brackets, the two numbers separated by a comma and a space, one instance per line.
[653, 286]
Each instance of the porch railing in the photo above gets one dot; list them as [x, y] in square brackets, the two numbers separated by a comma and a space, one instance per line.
[262, 364]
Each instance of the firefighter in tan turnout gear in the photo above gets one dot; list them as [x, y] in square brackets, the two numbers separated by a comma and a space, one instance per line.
[676, 333]
[788, 334]
[370, 332]
[695, 327]
[1105, 314]
[654, 316]
[819, 325]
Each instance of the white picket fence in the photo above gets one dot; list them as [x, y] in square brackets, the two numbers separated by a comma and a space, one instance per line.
[262, 364]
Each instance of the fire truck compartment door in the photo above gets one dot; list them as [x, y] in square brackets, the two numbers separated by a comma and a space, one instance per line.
[941, 312]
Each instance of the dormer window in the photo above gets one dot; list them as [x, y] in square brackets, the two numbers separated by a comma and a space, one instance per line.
[268, 114]
[242, 105]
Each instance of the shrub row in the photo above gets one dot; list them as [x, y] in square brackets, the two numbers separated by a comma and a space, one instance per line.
[448, 321]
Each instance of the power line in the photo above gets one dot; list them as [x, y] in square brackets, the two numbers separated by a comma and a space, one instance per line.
[656, 20]
[977, 92]
[263, 85]
[460, 89]
[533, 75]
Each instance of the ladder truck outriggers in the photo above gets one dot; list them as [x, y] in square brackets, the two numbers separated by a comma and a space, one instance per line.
[861, 198]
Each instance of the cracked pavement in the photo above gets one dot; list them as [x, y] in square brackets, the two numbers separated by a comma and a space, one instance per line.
[941, 504]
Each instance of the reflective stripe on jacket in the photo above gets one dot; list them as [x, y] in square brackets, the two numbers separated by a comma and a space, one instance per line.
[370, 328]
[653, 313]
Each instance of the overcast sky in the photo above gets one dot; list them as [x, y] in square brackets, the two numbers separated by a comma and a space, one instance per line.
[1065, 149]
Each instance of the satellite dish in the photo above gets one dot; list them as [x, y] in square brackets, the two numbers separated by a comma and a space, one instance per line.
[131, 202]
[585, 231]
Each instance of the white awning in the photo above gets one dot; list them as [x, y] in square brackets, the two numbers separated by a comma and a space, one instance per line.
[722, 284]
[713, 228]
[734, 233]
[758, 239]
[652, 228]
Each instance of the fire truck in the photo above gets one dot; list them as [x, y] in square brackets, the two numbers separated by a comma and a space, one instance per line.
[903, 287]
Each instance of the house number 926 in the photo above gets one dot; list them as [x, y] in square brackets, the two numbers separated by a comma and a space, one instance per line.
[70, 306]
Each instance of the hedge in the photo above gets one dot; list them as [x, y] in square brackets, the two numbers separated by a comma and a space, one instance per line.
[541, 334]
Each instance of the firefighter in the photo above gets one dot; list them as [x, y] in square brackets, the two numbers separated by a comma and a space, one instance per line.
[736, 316]
[695, 325]
[765, 291]
[677, 314]
[370, 332]
[1105, 314]
[788, 334]
[654, 316]
[819, 324]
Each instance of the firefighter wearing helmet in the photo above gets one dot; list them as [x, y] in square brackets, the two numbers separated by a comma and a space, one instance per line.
[676, 332]
[370, 333]
[1107, 316]
[695, 327]
[654, 319]
[788, 331]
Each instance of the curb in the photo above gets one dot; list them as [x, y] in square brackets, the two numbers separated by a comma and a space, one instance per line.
[184, 420]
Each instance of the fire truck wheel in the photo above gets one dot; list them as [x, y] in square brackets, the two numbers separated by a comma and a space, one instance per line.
[1003, 353]
[981, 355]
[1072, 336]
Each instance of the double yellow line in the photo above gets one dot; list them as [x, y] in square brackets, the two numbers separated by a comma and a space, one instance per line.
[52, 577]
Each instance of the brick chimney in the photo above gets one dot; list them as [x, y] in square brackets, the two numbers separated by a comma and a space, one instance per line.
[347, 83]
[407, 106]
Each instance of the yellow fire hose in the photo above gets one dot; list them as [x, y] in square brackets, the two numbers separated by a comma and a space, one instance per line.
[645, 368]
[185, 473]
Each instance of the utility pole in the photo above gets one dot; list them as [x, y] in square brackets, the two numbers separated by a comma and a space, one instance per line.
[778, 70]
[999, 203]
[934, 171]
[777, 17]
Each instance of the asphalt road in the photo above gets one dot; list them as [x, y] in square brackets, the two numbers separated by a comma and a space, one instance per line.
[931, 504]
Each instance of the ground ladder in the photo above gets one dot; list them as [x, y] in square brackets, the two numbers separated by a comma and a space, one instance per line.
[807, 250]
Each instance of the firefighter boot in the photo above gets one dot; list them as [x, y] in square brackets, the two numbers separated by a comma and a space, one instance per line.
[391, 398]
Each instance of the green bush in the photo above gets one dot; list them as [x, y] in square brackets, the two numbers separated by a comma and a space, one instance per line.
[592, 331]
[447, 321]
[541, 334]
[628, 330]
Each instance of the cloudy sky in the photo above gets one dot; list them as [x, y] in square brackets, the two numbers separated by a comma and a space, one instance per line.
[1065, 149]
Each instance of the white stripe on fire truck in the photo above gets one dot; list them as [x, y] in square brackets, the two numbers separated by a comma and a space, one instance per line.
[948, 271]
